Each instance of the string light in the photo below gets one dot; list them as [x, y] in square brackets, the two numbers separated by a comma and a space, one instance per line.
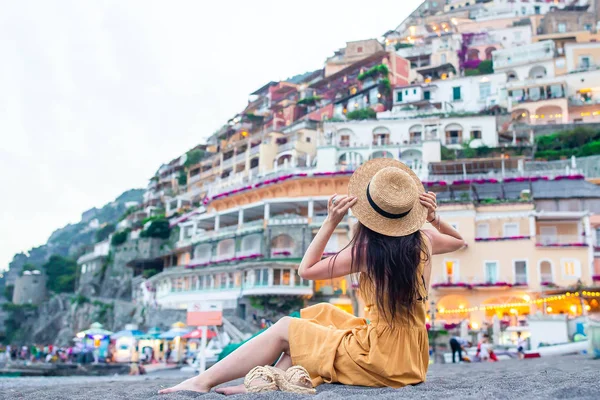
[513, 306]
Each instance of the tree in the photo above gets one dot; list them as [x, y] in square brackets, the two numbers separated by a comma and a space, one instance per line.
[61, 274]
[158, 229]
[182, 178]
[119, 238]
[8, 292]
[104, 232]
[365, 113]
[28, 267]
[193, 157]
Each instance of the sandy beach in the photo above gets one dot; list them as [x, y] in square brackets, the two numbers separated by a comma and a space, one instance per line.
[572, 377]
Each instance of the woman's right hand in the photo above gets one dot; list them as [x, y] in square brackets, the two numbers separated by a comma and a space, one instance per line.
[338, 206]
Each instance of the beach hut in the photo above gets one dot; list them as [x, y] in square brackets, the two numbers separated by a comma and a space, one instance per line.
[96, 339]
[151, 343]
[173, 339]
[126, 344]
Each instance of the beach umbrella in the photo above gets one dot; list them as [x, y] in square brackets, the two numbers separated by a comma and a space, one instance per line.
[197, 334]
[174, 332]
[133, 333]
[96, 330]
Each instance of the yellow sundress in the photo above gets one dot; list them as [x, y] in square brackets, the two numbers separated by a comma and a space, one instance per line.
[335, 346]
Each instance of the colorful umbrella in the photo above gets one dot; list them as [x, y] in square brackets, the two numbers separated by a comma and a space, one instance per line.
[197, 334]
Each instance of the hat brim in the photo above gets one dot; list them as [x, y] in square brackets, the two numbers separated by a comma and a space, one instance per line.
[370, 218]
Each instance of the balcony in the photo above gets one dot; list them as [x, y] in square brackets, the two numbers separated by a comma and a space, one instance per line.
[239, 158]
[579, 101]
[194, 179]
[282, 252]
[415, 51]
[286, 146]
[227, 163]
[453, 140]
[288, 220]
[550, 241]
[254, 150]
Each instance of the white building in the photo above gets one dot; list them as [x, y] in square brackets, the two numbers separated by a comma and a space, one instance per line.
[460, 95]
[532, 61]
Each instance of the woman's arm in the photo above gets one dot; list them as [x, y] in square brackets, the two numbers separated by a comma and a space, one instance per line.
[312, 266]
[444, 239]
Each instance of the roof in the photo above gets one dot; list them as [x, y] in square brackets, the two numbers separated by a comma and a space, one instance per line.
[344, 71]
[565, 189]
[263, 88]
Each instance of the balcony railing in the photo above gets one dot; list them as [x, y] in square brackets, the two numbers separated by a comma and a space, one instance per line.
[453, 140]
[240, 157]
[254, 150]
[227, 163]
[286, 146]
[560, 241]
[282, 252]
[288, 220]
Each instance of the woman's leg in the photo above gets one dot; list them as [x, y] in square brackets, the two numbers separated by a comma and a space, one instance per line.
[262, 350]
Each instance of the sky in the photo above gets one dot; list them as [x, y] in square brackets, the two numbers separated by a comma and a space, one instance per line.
[95, 95]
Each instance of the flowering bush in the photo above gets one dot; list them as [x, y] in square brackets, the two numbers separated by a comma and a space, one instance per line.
[495, 284]
[577, 177]
[548, 284]
[451, 285]
[561, 244]
[499, 239]
[481, 181]
[526, 179]
[284, 253]
[449, 327]
[435, 183]
[596, 278]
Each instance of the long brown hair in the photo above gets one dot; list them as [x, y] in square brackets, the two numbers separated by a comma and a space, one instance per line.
[391, 264]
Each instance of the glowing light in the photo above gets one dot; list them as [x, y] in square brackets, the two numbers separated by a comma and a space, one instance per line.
[549, 309]
[80, 335]
[513, 311]
[244, 133]
[573, 309]
[474, 325]
[442, 309]
[378, 95]
[523, 115]
[588, 308]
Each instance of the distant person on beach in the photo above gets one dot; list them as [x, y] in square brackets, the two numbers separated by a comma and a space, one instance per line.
[457, 345]
[391, 253]
[521, 343]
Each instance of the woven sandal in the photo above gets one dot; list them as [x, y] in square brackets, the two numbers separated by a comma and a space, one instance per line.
[263, 373]
[297, 380]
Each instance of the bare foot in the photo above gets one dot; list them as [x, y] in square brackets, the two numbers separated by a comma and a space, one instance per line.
[192, 384]
[227, 391]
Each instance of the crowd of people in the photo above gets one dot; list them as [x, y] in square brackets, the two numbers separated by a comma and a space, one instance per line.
[485, 349]
[48, 354]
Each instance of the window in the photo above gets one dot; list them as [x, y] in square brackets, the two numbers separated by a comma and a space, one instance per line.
[276, 277]
[399, 96]
[427, 95]
[571, 268]
[491, 271]
[536, 10]
[406, 92]
[523, 10]
[485, 90]
[359, 49]
[511, 229]
[451, 273]
[414, 91]
[456, 93]
[587, 27]
[476, 134]
[307, 139]
[584, 62]
[483, 231]
[545, 272]
[443, 58]
[83, 268]
[562, 27]
[520, 271]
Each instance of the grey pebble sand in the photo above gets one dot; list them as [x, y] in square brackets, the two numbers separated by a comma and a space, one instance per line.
[571, 377]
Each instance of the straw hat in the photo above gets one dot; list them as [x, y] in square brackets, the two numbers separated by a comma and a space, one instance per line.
[388, 197]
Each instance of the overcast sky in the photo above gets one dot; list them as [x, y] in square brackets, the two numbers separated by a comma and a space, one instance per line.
[95, 95]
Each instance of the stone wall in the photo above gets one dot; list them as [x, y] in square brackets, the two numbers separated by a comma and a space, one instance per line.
[116, 282]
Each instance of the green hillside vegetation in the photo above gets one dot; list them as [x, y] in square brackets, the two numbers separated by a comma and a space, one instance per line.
[579, 142]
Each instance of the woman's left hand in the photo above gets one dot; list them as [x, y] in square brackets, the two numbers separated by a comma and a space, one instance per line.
[428, 200]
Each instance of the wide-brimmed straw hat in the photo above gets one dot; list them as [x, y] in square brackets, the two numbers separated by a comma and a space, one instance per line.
[388, 197]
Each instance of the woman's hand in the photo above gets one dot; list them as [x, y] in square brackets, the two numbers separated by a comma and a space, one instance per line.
[338, 207]
[428, 200]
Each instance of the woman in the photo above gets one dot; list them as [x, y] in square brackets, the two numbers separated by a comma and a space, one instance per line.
[393, 258]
